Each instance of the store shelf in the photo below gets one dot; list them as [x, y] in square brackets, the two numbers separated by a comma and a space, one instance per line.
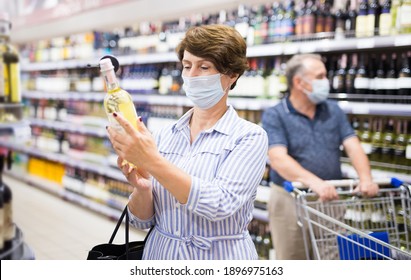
[321, 45]
[384, 109]
[151, 99]
[316, 45]
[349, 172]
[58, 190]
[101, 169]
[63, 126]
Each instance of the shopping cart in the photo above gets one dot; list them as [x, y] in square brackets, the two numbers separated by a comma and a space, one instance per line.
[355, 227]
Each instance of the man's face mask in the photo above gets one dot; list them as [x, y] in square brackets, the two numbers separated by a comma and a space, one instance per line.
[204, 91]
[320, 90]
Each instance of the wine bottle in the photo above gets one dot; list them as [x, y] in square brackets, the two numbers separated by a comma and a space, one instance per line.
[365, 137]
[352, 71]
[387, 149]
[400, 144]
[361, 81]
[404, 78]
[361, 20]
[373, 18]
[351, 17]
[340, 75]
[376, 141]
[10, 91]
[385, 19]
[380, 76]
[391, 77]
[309, 19]
[116, 100]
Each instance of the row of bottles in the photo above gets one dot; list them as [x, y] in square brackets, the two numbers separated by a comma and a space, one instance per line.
[261, 237]
[374, 77]
[259, 24]
[97, 187]
[386, 141]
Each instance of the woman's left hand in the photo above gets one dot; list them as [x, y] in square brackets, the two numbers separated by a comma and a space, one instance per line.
[137, 146]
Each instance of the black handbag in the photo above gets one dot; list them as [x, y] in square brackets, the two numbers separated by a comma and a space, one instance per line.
[127, 251]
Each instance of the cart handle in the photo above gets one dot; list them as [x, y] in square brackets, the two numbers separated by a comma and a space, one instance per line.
[395, 182]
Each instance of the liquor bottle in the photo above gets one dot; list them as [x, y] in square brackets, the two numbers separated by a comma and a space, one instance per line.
[376, 140]
[380, 76]
[9, 66]
[405, 17]
[299, 20]
[309, 19]
[361, 81]
[372, 76]
[320, 17]
[408, 148]
[351, 17]
[373, 18]
[351, 73]
[404, 78]
[400, 144]
[395, 16]
[385, 19]
[361, 21]
[116, 100]
[331, 70]
[329, 18]
[340, 75]
[365, 137]
[387, 149]
[340, 18]
[288, 23]
[391, 77]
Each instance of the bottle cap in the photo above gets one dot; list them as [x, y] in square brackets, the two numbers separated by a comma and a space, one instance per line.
[110, 64]
[106, 65]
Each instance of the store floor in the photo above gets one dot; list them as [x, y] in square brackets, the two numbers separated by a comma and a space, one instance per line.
[56, 229]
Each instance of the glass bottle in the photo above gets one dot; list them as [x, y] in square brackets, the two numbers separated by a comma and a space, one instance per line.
[116, 100]
[361, 20]
[404, 77]
[385, 19]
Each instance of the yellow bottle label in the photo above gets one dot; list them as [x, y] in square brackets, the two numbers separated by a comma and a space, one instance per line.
[15, 95]
[385, 24]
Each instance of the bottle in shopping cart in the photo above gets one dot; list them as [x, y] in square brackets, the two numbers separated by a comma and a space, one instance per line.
[117, 100]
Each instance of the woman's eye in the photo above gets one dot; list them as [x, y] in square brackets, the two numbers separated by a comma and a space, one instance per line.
[186, 67]
[204, 68]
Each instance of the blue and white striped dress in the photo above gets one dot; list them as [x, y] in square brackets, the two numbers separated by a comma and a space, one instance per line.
[226, 163]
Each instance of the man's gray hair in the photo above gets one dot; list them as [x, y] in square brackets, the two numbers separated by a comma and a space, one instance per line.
[296, 66]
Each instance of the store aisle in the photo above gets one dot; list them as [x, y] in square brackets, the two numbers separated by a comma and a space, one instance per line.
[56, 229]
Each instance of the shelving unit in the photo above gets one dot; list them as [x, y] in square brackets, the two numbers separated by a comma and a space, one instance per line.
[323, 43]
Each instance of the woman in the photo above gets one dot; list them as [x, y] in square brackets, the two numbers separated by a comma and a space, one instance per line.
[197, 179]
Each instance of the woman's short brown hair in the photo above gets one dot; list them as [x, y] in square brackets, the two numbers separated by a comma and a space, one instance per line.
[220, 44]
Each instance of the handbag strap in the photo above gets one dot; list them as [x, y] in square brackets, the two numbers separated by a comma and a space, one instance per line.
[113, 235]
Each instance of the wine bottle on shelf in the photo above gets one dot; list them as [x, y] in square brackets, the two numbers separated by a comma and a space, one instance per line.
[400, 144]
[116, 100]
[366, 136]
[404, 78]
[340, 18]
[391, 78]
[350, 22]
[395, 16]
[372, 77]
[299, 20]
[340, 75]
[376, 140]
[351, 73]
[380, 76]
[361, 20]
[408, 147]
[309, 19]
[329, 18]
[320, 17]
[405, 17]
[373, 18]
[385, 19]
[361, 81]
[387, 149]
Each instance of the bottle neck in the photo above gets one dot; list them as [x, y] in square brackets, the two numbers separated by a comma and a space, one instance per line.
[111, 81]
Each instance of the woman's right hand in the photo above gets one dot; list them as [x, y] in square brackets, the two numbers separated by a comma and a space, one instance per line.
[137, 177]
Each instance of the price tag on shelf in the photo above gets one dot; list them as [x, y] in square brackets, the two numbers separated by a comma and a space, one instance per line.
[360, 109]
[290, 48]
[368, 43]
[402, 41]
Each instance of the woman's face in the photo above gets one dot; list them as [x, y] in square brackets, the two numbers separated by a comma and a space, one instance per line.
[194, 66]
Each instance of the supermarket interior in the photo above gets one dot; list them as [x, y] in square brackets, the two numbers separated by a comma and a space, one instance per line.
[59, 176]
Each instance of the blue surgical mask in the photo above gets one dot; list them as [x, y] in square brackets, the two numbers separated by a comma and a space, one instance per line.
[320, 91]
[204, 91]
